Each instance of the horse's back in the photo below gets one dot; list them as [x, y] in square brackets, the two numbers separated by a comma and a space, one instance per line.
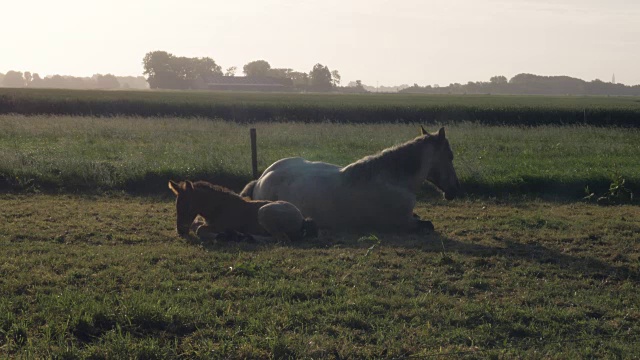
[297, 165]
[298, 181]
[293, 175]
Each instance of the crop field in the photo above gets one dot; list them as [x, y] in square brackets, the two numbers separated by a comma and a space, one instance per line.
[342, 108]
[520, 266]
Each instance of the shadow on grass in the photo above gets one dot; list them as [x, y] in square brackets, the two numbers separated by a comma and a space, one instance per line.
[154, 183]
[532, 187]
[588, 267]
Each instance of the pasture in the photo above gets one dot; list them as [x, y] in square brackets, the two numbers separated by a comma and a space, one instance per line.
[519, 267]
[106, 277]
[139, 155]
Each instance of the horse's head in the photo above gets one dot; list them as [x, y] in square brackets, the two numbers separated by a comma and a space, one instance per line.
[184, 205]
[440, 171]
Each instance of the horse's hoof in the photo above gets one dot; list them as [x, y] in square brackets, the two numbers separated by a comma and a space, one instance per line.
[425, 225]
[204, 232]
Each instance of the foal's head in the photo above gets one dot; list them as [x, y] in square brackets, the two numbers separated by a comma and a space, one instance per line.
[184, 192]
[441, 172]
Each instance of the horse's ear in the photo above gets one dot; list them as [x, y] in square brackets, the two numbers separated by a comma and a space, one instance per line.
[441, 133]
[423, 131]
[174, 186]
[188, 185]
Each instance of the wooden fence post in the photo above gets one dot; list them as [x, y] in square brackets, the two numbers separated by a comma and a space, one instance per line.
[254, 153]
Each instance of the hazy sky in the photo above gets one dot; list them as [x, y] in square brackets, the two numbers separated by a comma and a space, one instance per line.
[376, 41]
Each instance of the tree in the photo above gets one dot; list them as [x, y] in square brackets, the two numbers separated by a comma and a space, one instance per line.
[280, 73]
[498, 80]
[258, 68]
[27, 78]
[159, 71]
[335, 75]
[356, 87]
[171, 72]
[107, 81]
[231, 71]
[203, 67]
[300, 80]
[13, 79]
[56, 81]
[320, 77]
[133, 82]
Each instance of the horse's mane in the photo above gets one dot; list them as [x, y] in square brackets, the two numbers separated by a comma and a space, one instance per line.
[399, 160]
[217, 189]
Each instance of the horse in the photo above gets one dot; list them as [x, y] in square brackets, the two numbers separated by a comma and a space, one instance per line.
[223, 210]
[285, 222]
[377, 192]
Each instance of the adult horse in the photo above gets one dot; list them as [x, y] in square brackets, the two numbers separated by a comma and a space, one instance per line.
[375, 192]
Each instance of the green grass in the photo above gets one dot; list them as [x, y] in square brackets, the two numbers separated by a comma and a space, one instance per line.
[93, 272]
[106, 277]
[353, 108]
[139, 155]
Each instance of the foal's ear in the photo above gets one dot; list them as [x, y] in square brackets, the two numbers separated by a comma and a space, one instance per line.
[175, 187]
[423, 131]
[188, 185]
[441, 133]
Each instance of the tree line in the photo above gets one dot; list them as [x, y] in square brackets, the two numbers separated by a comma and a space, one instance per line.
[529, 84]
[17, 79]
[167, 71]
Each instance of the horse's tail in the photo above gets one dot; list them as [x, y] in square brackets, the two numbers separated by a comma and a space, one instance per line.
[248, 189]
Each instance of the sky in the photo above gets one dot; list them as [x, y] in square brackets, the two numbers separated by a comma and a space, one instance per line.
[376, 41]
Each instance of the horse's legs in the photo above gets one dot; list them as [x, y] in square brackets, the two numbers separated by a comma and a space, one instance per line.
[205, 232]
[423, 225]
[234, 235]
[281, 237]
[415, 224]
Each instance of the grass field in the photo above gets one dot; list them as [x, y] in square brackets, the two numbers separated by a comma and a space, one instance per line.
[105, 277]
[314, 107]
[519, 266]
[81, 154]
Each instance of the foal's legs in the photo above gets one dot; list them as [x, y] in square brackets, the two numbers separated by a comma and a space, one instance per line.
[281, 237]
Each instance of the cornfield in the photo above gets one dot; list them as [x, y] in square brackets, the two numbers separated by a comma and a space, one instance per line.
[338, 108]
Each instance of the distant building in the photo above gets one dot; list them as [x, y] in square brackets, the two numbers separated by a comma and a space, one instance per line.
[243, 83]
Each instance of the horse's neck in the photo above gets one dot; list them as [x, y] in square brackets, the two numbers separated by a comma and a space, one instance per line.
[401, 168]
[211, 204]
